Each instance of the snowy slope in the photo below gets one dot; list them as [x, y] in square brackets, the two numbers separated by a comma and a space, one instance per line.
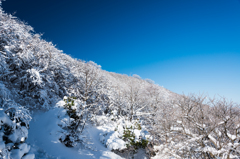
[43, 137]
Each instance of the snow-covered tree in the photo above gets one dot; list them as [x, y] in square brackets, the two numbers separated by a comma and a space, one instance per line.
[90, 85]
[201, 129]
[135, 101]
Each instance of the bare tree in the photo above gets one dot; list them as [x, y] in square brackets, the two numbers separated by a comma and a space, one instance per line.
[202, 129]
[135, 100]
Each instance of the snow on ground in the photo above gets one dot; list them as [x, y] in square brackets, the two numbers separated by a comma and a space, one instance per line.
[44, 134]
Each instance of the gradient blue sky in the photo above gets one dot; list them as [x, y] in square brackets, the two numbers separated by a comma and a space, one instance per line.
[183, 45]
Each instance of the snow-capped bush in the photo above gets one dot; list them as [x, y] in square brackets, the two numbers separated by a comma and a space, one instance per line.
[73, 119]
[125, 134]
[14, 122]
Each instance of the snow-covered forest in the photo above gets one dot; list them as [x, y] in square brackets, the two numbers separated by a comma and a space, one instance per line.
[55, 106]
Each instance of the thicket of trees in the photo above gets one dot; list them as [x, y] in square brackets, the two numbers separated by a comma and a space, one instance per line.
[198, 127]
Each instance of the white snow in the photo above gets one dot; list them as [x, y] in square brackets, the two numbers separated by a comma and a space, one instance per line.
[114, 131]
[44, 135]
[29, 156]
[18, 153]
[111, 139]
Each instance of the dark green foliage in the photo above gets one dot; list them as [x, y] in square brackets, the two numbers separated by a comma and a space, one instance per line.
[70, 111]
[129, 136]
[138, 126]
[68, 141]
[75, 127]
[141, 144]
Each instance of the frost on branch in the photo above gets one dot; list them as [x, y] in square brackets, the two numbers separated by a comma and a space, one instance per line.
[202, 129]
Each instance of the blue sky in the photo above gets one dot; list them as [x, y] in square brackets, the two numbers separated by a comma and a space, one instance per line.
[185, 46]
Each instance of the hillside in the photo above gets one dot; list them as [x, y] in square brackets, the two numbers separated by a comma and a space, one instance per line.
[35, 76]
[55, 106]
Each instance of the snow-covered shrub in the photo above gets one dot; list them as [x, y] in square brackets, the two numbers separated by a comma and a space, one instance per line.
[129, 136]
[125, 135]
[73, 121]
[134, 136]
[14, 122]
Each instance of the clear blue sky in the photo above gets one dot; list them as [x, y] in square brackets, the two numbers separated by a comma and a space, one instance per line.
[183, 45]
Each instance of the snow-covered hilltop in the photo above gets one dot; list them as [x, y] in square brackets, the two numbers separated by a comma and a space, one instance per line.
[54, 106]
